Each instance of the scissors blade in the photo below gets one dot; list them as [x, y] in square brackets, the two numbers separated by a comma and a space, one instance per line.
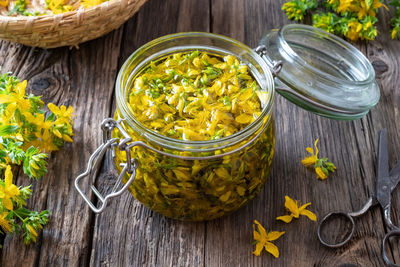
[395, 176]
[395, 170]
[383, 181]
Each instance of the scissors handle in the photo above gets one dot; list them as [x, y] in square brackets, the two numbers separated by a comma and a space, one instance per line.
[348, 216]
[385, 241]
[330, 216]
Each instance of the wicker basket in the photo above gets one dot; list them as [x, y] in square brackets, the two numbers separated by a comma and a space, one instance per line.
[68, 29]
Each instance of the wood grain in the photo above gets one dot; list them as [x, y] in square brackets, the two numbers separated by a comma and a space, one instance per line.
[142, 237]
[127, 233]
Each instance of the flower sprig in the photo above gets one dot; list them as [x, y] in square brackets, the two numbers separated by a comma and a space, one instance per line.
[27, 134]
[321, 166]
[354, 19]
[296, 9]
[395, 21]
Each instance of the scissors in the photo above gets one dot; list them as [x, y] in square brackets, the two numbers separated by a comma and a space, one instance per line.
[386, 182]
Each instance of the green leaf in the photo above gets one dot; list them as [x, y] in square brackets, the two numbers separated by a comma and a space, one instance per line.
[8, 129]
[368, 3]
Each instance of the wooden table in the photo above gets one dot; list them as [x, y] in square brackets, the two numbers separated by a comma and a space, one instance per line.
[127, 233]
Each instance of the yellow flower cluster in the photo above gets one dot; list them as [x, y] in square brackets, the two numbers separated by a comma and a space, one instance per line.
[25, 134]
[58, 6]
[362, 8]
[22, 112]
[62, 6]
[321, 166]
[361, 26]
[25, 8]
[354, 19]
[262, 239]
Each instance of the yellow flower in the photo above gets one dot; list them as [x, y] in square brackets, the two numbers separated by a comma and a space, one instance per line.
[354, 30]
[17, 97]
[90, 3]
[39, 121]
[4, 3]
[61, 112]
[263, 239]
[4, 223]
[320, 173]
[44, 141]
[9, 190]
[296, 211]
[58, 6]
[344, 6]
[311, 160]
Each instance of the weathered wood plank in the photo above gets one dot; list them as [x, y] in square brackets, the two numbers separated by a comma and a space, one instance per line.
[84, 79]
[351, 145]
[384, 55]
[127, 233]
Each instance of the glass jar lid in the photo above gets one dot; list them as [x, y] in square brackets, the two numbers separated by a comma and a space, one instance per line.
[320, 72]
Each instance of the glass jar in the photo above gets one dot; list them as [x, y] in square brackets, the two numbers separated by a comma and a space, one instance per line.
[201, 180]
[321, 72]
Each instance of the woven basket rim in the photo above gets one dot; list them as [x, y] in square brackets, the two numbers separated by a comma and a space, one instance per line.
[49, 16]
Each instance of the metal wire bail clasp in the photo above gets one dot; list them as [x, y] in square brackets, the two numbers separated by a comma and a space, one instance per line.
[96, 159]
[276, 65]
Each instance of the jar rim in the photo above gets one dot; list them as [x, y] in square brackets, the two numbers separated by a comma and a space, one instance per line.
[331, 37]
[122, 91]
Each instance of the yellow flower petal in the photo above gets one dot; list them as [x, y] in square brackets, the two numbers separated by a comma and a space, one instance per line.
[13, 190]
[394, 33]
[8, 176]
[271, 248]
[244, 118]
[261, 229]
[32, 230]
[53, 108]
[320, 173]
[308, 161]
[309, 214]
[57, 133]
[20, 88]
[256, 234]
[271, 236]
[259, 248]
[285, 218]
[2, 193]
[6, 99]
[69, 111]
[7, 203]
[291, 205]
[305, 206]
[310, 150]
[67, 138]
[4, 223]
